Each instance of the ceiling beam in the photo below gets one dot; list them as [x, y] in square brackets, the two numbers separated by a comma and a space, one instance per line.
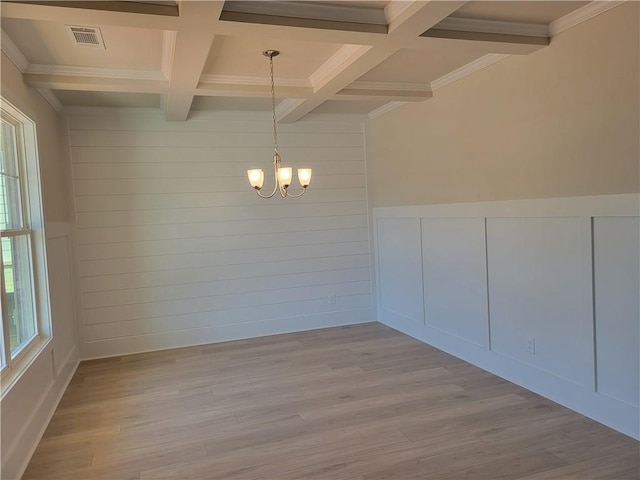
[389, 92]
[353, 61]
[191, 48]
[493, 42]
[309, 10]
[96, 84]
[150, 8]
[76, 13]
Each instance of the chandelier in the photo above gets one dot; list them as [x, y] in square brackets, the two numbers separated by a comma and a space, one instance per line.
[282, 174]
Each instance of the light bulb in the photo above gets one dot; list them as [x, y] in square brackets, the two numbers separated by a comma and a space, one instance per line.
[304, 176]
[284, 176]
[256, 178]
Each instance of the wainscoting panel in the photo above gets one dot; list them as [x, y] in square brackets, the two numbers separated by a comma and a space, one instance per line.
[175, 248]
[400, 278]
[534, 293]
[62, 299]
[616, 259]
[455, 277]
[27, 407]
[560, 278]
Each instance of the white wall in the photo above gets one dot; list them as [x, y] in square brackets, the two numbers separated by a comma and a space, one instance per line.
[544, 293]
[28, 404]
[176, 249]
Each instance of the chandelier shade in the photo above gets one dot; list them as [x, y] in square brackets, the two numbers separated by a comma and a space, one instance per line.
[282, 175]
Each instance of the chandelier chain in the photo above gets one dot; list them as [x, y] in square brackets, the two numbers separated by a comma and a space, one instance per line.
[273, 105]
[282, 175]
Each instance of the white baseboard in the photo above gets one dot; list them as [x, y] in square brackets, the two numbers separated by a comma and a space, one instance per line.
[608, 411]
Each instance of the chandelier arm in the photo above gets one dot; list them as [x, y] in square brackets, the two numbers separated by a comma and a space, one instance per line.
[266, 196]
[296, 195]
[276, 187]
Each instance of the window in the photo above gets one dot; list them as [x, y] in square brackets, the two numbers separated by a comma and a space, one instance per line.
[22, 249]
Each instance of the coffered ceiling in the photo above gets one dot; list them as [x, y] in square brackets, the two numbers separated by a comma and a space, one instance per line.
[360, 57]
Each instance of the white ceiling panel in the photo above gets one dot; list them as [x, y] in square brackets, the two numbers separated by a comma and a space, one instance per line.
[243, 56]
[50, 43]
[420, 66]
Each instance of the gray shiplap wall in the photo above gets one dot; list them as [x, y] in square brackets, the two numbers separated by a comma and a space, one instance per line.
[176, 249]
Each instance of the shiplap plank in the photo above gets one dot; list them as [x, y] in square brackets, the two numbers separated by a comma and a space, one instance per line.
[190, 139]
[209, 259]
[202, 170]
[236, 183]
[222, 333]
[244, 286]
[185, 276]
[329, 155]
[98, 235]
[209, 214]
[157, 123]
[157, 201]
[103, 331]
[213, 244]
[215, 302]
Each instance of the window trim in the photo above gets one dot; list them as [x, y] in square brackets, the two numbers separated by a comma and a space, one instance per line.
[33, 228]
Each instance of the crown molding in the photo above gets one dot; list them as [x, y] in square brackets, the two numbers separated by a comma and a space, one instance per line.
[11, 50]
[50, 98]
[255, 81]
[493, 26]
[390, 86]
[168, 46]
[387, 107]
[467, 69]
[99, 72]
[581, 14]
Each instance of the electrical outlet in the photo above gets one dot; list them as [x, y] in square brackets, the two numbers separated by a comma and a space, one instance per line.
[531, 345]
[332, 298]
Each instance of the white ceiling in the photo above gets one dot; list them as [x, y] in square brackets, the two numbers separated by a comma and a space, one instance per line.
[336, 56]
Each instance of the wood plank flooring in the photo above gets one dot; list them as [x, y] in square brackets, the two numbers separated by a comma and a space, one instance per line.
[358, 402]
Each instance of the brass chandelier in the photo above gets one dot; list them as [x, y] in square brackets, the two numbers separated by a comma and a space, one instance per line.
[283, 175]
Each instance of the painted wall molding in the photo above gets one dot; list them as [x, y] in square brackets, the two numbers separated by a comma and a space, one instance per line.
[535, 259]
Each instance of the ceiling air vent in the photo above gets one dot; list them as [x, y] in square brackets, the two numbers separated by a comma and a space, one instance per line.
[86, 36]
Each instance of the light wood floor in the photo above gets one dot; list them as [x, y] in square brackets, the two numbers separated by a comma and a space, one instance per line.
[362, 402]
